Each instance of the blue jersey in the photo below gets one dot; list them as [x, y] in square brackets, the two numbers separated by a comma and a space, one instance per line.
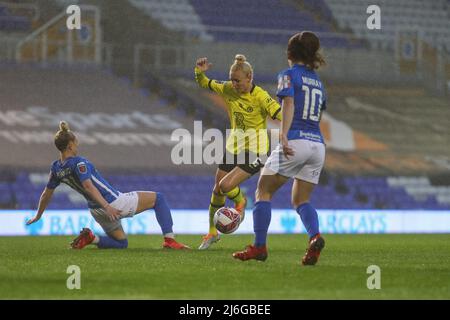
[305, 87]
[73, 171]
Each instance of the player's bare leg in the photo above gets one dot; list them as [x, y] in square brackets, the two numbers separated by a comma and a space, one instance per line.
[147, 200]
[117, 234]
[301, 192]
[268, 184]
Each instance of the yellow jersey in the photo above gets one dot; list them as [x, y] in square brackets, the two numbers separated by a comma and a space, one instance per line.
[248, 114]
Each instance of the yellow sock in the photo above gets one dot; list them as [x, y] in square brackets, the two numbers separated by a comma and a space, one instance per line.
[236, 195]
[217, 201]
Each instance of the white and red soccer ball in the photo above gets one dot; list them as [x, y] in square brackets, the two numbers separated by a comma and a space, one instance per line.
[227, 220]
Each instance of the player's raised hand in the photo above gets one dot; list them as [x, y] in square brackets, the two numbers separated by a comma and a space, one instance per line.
[203, 64]
[33, 220]
[113, 213]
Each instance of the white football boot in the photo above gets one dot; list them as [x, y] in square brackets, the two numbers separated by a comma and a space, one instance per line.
[208, 240]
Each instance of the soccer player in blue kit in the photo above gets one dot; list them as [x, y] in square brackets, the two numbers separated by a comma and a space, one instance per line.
[106, 204]
[301, 151]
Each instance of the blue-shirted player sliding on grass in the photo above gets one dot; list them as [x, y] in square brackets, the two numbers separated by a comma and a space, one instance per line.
[106, 204]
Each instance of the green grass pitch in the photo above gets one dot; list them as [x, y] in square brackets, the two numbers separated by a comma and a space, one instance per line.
[412, 267]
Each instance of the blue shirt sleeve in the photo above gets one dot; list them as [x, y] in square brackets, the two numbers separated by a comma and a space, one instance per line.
[83, 169]
[285, 85]
[53, 181]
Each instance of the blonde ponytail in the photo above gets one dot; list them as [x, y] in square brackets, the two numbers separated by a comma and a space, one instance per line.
[64, 126]
[241, 63]
[63, 136]
[240, 58]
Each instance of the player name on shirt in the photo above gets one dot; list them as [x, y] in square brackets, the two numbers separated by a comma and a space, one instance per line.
[311, 82]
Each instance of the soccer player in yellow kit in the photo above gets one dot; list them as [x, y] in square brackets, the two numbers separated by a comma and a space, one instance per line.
[248, 108]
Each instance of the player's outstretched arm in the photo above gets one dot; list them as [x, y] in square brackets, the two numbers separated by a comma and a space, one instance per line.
[43, 203]
[113, 213]
[203, 81]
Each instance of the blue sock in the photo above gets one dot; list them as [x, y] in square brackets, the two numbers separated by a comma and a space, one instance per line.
[163, 214]
[106, 242]
[261, 221]
[309, 218]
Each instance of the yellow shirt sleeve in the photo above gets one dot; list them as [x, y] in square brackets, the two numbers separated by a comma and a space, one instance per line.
[272, 107]
[204, 82]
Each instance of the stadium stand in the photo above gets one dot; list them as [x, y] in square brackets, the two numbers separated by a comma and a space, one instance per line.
[412, 122]
[333, 191]
[261, 21]
[178, 15]
[11, 22]
[115, 120]
[399, 134]
[400, 15]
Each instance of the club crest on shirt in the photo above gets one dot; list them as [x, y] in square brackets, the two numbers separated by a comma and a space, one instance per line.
[82, 167]
[284, 82]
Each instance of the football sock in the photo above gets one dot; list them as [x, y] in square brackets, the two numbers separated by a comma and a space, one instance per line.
[236, 195]
[163, 215]
[309, 218]
[106, 242]
[96, 239]
[261, 220]
[217, 201]
[170, 235]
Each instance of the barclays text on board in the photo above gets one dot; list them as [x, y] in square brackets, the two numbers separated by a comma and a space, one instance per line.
[70, 222]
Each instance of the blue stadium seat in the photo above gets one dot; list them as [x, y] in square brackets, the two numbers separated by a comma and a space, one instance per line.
[363, 193]
[265, 15]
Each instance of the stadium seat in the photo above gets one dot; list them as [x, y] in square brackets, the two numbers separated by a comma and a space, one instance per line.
[211, 20]
[431, 17]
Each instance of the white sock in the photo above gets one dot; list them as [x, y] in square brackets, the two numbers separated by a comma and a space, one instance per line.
[96, 239]
[169, 235]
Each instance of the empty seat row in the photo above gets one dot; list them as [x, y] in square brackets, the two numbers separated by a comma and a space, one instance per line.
[194, 192]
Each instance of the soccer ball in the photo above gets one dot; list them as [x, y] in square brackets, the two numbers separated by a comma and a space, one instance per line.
[227, 220]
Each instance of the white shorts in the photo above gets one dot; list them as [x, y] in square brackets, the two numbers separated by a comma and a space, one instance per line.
[126, 202]
[306, 163]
